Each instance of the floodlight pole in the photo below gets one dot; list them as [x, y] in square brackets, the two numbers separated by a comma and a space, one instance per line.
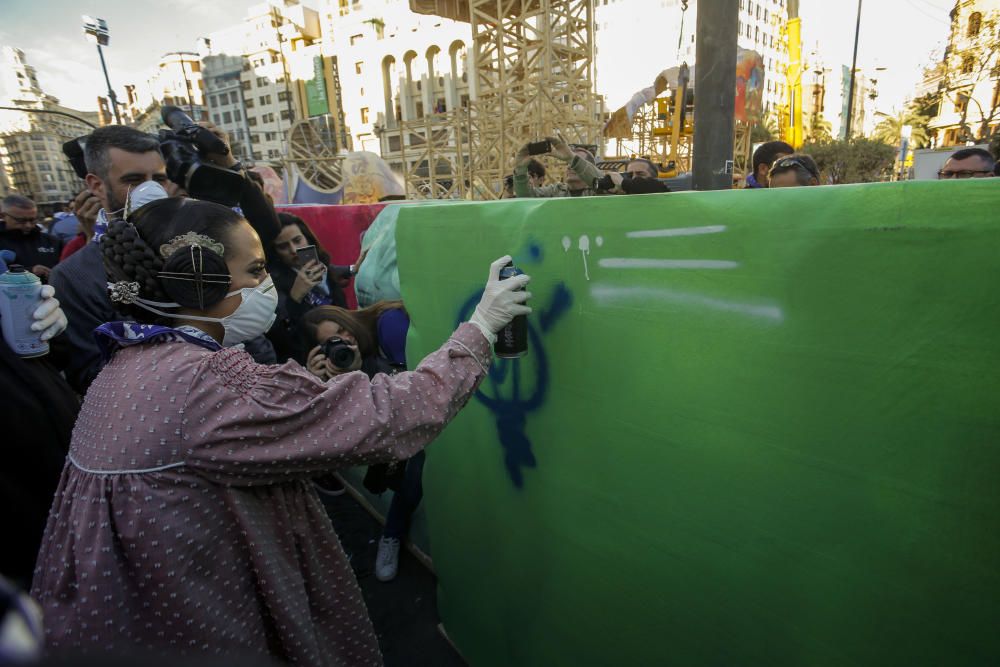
[111, 91]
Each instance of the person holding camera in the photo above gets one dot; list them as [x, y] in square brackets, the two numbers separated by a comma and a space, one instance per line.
[116, 160]
[304, 278]
[372, 340]
[581, 170]
[185, 516]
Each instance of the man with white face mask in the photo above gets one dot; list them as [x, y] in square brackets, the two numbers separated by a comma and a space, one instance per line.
[120, 160]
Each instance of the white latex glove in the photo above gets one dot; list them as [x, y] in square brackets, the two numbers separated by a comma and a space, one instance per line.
[502, 301]
[49, 317]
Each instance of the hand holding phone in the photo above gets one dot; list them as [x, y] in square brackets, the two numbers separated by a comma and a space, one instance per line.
[539, 147]
[307, 254]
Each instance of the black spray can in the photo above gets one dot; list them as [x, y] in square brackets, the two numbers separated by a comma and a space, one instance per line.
[512, 340]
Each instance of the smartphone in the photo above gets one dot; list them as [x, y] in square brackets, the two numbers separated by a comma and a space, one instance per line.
[307, 254]
[539, 147]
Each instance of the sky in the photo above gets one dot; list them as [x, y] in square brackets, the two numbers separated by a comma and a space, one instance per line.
[897, 34]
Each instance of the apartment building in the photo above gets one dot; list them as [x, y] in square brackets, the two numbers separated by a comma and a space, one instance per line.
[394, 66]
[273, 43]
[31, 142]
[225, 100]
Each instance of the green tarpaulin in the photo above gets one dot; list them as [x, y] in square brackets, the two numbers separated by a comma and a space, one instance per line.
[753, 428]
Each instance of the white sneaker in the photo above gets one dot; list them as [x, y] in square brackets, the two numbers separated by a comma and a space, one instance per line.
[387, 560]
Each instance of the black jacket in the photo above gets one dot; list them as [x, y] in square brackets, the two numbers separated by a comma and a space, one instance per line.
[288, 333]
[37, 409]
[33, 248]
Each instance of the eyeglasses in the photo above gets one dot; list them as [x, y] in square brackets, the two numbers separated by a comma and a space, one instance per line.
[794, 162]
[943, 174]
[23, 221]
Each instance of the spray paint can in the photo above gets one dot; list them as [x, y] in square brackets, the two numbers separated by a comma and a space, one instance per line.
[512, 340]
[20, 295]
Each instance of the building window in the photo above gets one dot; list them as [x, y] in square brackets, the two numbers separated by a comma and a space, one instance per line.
[961, 102]
[975, 24]
[249, 103]
[364, 115]
[968, 64]
[261, 82]
[270, 136]
[252, 121]
[359, 67]
[234, 97]
[237, 115]
[245, 85]
[257, 155]
[265, 99]
[216, 119]
[227, 117]
[286, 114]
[356, 38]
[283, 96]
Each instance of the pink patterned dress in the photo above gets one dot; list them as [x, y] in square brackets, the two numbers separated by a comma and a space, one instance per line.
[185, 521]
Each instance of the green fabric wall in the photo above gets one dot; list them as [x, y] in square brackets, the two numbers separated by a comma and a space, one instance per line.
[772, 441]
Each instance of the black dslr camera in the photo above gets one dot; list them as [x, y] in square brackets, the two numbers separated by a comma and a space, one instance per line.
[340, 353]
[182, 147]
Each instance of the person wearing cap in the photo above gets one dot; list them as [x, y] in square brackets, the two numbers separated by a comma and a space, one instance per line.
[793, 171]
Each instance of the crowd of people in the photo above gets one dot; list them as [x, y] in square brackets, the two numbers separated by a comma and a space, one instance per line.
[206, 379]
[200, 384]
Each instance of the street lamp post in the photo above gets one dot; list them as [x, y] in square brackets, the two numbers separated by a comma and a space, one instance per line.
[854, 70]
[97, 32]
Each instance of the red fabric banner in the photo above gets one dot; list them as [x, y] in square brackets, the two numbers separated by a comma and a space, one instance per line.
[339, 230]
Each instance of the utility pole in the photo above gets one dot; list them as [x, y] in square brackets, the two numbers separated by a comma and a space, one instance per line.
[854, 71]
[715, 94]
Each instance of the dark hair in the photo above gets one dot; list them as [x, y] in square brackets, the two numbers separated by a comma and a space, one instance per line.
[16, 201]
[287, 220]
[982, 154]
[132, 252]
[654, 170]
[362, 324]
[102, 140]
[768, 152]
[800, 163]
[536, 168]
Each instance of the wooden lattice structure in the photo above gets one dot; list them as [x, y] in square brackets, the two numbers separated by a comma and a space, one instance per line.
[432, 154]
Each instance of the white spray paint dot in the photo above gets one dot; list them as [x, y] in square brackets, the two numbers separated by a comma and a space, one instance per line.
[584, 251]
[566, 243]
[585, 243]
[599, 241]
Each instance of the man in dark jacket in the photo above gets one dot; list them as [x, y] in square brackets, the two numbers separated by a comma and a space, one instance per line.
[119, 158]
[35, 250]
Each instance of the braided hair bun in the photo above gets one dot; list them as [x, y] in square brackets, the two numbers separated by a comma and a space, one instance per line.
[195, 275]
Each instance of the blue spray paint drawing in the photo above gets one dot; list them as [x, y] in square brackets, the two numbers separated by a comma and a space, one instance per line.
[508, 404]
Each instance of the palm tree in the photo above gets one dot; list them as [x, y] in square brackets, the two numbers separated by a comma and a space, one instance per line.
[890, 128]
[820, 131]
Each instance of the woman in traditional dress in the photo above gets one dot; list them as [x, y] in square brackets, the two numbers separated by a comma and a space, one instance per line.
[185, 521]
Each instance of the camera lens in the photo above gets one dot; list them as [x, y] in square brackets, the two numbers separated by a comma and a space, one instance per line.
[340, 354]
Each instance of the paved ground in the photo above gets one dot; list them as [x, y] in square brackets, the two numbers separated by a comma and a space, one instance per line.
[404, 611]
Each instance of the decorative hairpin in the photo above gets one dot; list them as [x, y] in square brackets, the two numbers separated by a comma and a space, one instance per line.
[188, 240]
[123, 291]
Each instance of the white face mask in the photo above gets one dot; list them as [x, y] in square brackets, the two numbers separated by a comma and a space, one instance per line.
[254, 316]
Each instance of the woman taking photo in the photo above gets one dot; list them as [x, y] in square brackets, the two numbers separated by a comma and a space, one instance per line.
[302, 285]
[377, 336]
[185, 521]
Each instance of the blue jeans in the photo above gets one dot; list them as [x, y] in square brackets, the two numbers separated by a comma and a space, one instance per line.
[406, 499]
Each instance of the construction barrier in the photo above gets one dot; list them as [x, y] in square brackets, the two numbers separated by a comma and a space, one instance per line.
[752, 428]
